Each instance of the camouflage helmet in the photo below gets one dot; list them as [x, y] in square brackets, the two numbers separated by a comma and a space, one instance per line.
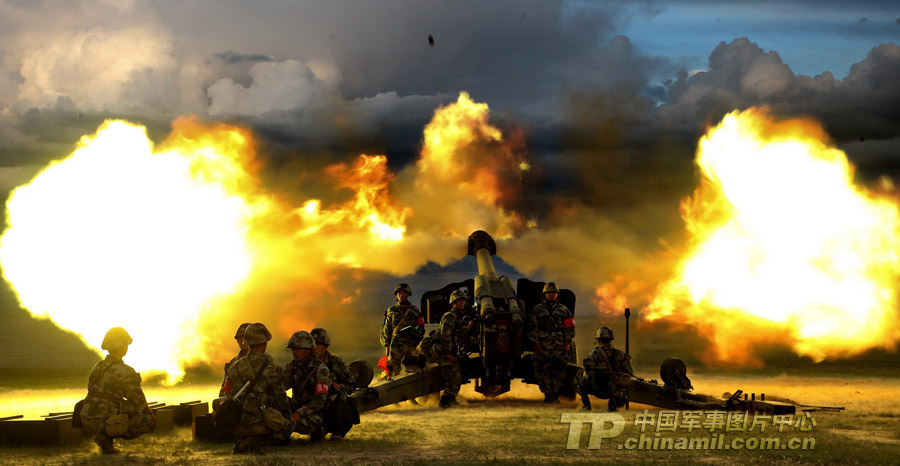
[256, 334]
[456, 296]
[116, 337]
[551, 287]
[403, 287]
[604, 333]
[301, 339]
[240, 331]
[320, 336]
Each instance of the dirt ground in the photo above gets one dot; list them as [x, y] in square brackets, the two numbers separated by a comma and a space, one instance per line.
[514, 428]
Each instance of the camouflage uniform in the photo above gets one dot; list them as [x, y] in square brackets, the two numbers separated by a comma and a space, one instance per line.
[115, 388]
[403, 329]
[243, 352]
[268, 392]
[551, 328]
[340, 373]
[309, 381]
[454, 338]
[601, 369]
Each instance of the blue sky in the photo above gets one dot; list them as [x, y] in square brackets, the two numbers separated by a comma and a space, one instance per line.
[811, 37]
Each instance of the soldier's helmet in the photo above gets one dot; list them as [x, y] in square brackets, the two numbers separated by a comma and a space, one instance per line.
[604, 333]
[320, 336]
[456, 296]
[256, 334]
[116, 337]
[403, 287]
[240, 331]
[550, 287]
[301, 339]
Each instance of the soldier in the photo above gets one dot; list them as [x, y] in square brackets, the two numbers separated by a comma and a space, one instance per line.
[115, 406]
[552, 328]
[341, 378]
[239, 339]
[265, 404]
[456, 327]
[340, 415]
[403, 329]
[605, 374]
[308, 379]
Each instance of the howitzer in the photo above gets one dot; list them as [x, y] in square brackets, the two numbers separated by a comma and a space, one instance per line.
[500, 321]
[502, 312]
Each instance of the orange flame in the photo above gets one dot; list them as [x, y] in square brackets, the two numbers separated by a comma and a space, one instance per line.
[783, 244]
[467, 172]
[181, 243]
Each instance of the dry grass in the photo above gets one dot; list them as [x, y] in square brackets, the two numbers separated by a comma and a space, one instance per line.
[516, 428]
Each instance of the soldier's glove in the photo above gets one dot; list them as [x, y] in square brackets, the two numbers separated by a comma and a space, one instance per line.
[295, 418]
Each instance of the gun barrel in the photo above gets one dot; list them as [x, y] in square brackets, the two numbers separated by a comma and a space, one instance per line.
[482, 246]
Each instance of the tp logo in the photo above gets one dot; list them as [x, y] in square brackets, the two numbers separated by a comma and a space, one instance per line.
[603, 425]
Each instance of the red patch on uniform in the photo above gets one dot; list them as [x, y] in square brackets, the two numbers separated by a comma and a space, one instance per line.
[570, 322]
[321, 388]
[420, 321]
[227, 387]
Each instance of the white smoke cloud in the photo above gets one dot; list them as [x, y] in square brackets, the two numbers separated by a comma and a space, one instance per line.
[275, 86]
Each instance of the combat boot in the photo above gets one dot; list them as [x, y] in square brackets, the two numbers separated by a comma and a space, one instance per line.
[612, 405]
[446, 401]
[106, 444]
[317, 435]
[548, 398]
[585, 404]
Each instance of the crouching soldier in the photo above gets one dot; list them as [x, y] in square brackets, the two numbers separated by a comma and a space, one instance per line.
[606, 373]
[308, 379]
[243, 349]
[340, 411]
[264, 402]
[115, 406]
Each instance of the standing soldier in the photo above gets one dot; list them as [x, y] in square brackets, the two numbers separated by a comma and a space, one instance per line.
[403, 329]
[552, 328]
[606, 373]
[265, 403]
[308, 379]
[243, 349]
[115, 406]
[454, 333]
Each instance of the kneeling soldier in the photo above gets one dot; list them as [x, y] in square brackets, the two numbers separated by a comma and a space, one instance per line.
[115, 406]
[606, 373]
[264, 404]
[308, 379]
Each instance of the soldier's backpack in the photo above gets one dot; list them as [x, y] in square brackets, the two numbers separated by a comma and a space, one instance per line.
[229, 413]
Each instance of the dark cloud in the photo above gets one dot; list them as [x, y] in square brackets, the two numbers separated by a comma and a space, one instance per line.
[234, 57]
[741, 74]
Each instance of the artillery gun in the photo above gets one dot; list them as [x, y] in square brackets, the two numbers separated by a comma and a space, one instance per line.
[502, 312]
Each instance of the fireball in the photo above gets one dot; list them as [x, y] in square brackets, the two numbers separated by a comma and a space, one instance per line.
[784, 245]
[120, 234]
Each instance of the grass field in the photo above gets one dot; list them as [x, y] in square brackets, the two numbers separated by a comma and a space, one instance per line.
[512, 429]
